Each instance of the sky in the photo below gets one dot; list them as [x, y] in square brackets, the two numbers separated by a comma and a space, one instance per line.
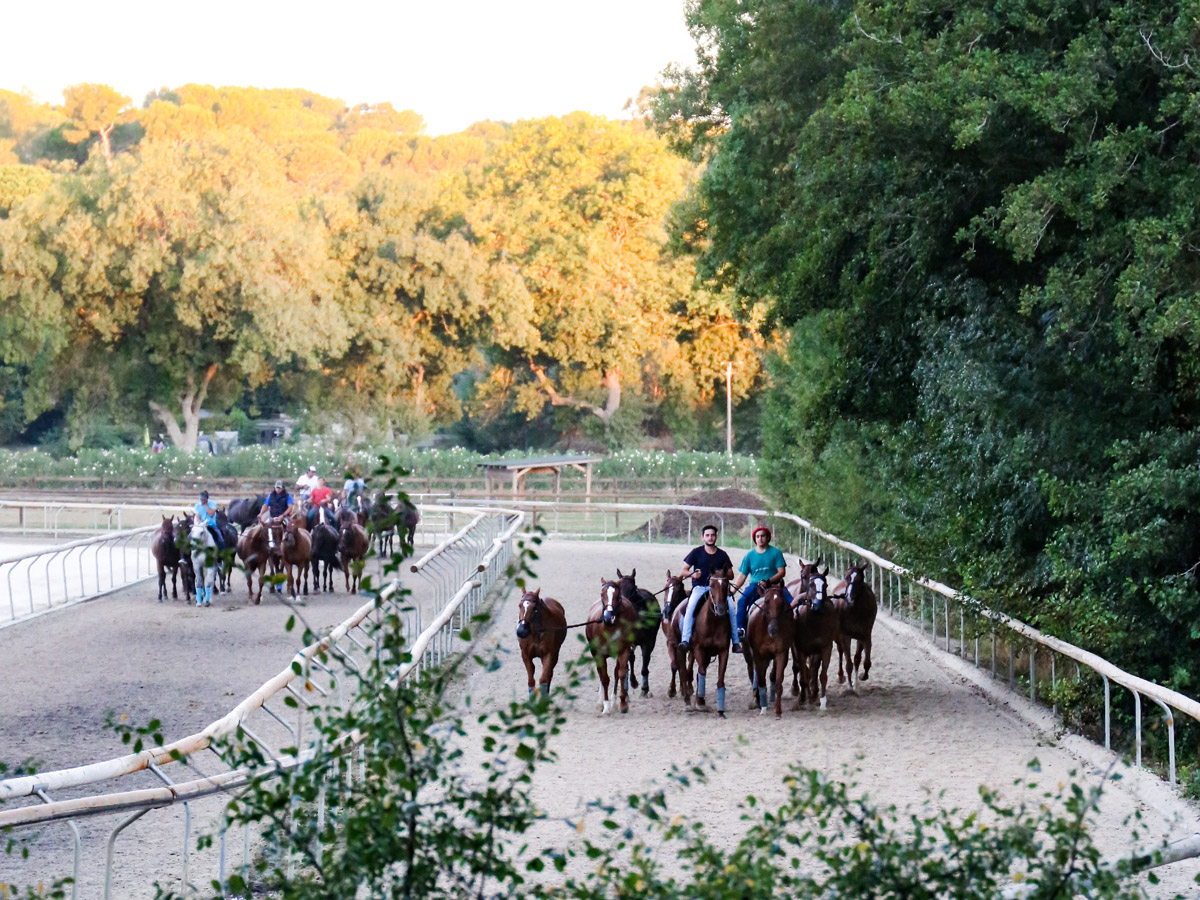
[453, 61]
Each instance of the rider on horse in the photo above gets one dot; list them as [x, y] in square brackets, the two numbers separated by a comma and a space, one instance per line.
[321, 496]
[763, 565]
[279, 503]
[207, 513]
[702, 564]
[354, 490]
[308, 482]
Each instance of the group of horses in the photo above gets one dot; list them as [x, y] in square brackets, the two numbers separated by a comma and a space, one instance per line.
[316, 539]
[626, 618]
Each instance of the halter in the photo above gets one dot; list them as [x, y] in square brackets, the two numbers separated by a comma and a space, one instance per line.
[531, 614]
[609, 594]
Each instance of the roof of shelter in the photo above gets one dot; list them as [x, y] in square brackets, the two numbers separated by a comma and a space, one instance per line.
[538, 461]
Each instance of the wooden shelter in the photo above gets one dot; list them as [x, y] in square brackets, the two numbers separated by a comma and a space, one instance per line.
[515, 470]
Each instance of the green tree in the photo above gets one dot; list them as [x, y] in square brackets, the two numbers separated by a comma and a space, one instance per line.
[93, 109]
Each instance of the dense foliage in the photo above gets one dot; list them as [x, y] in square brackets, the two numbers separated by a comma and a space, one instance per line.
[979, 222]
[264, 251]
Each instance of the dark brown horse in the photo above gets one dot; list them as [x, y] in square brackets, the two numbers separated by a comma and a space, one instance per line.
[296, 551]
[541, 630]
[324, 552]
[673, 595]
[353, 544]
[611, 623]
[254, 553]
[645, 636]
[816, 629]
[858, 611]
[711, 637]
[166, 555]
[769, 634]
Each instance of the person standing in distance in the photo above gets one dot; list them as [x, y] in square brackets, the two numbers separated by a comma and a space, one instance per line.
[702, 564]
[762, 565]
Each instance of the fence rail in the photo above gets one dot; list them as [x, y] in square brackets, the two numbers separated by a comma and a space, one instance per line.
[275, 716]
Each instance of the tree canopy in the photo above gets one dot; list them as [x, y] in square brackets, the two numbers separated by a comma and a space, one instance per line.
[978, 222]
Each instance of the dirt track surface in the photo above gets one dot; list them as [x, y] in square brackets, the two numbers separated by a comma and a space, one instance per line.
[917, 728]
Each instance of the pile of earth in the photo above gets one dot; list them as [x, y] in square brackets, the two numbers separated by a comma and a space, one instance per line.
[673, 524]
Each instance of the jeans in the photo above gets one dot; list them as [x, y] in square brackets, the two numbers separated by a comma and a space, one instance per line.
[689, 617]
[216, 533]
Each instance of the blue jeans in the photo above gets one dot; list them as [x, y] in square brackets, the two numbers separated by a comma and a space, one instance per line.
[689, 616]
[216, 533]
[748, 597]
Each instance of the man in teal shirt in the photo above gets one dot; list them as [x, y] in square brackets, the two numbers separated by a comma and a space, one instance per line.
[762, 565]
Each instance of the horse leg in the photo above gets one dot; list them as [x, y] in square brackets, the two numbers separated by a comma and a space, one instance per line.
[527, 658]
[722, 664]
[602, 669]
[780, 674]
[701, 676]
[760, 684]
[867, 658]
[684, 662]
[797, 668]
[633, 682]
[646, 668]
[826, 653]
[844, 644]
[549, 661]
[622, 671]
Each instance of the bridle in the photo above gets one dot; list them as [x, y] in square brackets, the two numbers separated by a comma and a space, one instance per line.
[531, 614]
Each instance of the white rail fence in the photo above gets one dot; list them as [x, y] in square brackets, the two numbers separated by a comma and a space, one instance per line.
[187, 783]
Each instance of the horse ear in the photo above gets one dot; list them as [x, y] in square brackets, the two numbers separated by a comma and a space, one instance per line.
[826, 572]
[669, 575]
[633, 574]
[538, 592]
[619, 575]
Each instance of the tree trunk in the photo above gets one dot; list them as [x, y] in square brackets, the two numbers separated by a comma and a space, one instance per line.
[190, 403]
[612, 382]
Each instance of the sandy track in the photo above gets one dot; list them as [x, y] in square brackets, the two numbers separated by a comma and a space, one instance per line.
[919, 726]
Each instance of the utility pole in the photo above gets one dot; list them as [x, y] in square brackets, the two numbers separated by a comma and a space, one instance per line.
[729, 409]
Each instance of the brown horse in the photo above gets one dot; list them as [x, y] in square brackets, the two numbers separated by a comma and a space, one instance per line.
[817, 628]
[711, 637]
[858, 611]
[646, 634]
[166, 555]
[769, 636]
[611, 623]
[353, 544]
[296, 552]
[673, 595]
[541, 630]
[254, 553]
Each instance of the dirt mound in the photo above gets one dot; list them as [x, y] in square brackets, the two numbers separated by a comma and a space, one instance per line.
[674, 524]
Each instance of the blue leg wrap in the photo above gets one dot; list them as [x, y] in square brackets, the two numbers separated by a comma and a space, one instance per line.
[720, 699]
[762, 697]
[700, 685]
[771, 692]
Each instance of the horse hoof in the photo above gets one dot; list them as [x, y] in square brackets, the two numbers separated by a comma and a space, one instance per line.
[670, 692]
[624, 708]
[699, 701]
[646, 695]
[720, 714]
[823, 699]
[762, 710]
[865, 676]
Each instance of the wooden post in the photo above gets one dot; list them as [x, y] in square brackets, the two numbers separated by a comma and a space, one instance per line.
[588, 480]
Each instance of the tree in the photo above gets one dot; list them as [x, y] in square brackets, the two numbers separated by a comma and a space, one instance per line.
[973, 218]
[93, 109]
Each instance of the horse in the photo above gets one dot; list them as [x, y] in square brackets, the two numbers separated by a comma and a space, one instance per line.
[166, 555]
[324, 552]
[254, 553]
[412, 518]
[204, 561]
[353, 545]
[541, 630]
[611, 623]
[858, 611]
[817, 628]
[645, 636]
[673, 594]
[244, 513]
[769, 638]
[711, 637]
[381, 523]
[187, 572]
[296, 551]
[229, 535]
[274, 530]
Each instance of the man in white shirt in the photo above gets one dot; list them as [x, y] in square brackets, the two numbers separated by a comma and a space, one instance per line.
[308, 481]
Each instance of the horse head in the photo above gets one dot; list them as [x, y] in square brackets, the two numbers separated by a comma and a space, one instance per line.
[718, 594]
[168, 526]
[817, 590]
[856, 582]
[774, 606]
[530, 612]
[610, 593]
[628, 586]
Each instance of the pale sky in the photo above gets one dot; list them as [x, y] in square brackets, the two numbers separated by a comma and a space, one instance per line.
[453, 61]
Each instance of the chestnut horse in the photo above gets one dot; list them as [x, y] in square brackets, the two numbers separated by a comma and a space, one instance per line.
[166, 555]
[769, 635]
[296, 552]
[252, 550]
[711, 637]
[673, 595]
[611, 623]
[646, 634]
[541, 630]
[858, 611]
[353, 544]
[816, 629]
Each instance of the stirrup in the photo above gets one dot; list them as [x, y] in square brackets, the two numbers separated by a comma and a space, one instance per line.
[685, 645]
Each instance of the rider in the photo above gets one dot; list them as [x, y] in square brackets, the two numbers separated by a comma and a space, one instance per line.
[308, 482]
[279, 503]
[207, 513]
[762, 565]
[353, 489]
[321, 495]
[702, 564]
